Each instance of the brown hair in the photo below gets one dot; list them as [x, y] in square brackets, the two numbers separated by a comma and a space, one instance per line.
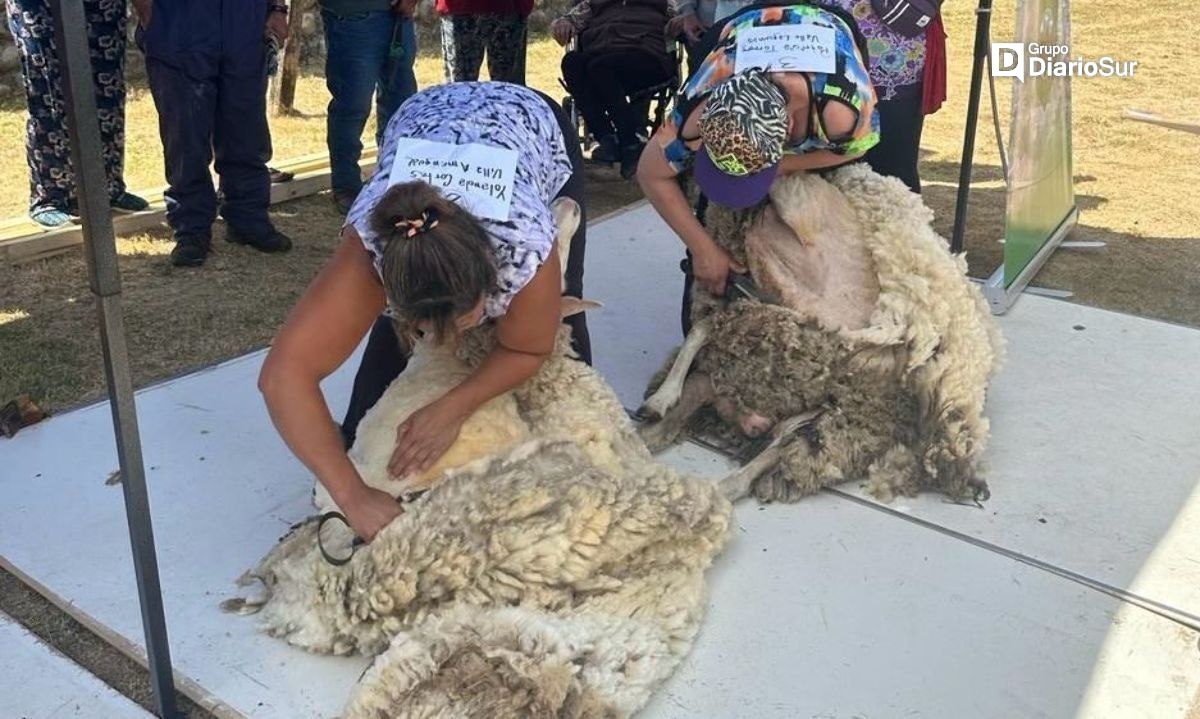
[437, 259]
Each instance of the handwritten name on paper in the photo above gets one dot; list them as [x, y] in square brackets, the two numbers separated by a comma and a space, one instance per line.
[787, 48]
[479, 177]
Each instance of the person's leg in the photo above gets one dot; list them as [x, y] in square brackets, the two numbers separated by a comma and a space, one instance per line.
[186, 110]
[462, 47]
[383, 360]
[356, 55]
[242, 140]
[398, 80]
[106, 45]
[575, 189]
[506, 41]
[584, 90]
[624, 74]
[898, 151]
[47, 150]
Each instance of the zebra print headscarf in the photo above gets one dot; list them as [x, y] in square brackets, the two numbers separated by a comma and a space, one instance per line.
[744, 125]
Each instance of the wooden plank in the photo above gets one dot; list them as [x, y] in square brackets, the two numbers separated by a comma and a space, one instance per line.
[21, 241]
[1153, 119]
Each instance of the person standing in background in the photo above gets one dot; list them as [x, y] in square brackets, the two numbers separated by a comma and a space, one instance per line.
[52, 200]
[207, 65]
[370, 49]
[471, 27]
[898, 73]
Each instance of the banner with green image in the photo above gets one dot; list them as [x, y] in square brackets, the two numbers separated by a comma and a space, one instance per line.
[1041, 194]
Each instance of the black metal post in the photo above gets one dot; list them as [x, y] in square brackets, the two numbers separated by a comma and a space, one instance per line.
[70, 33]
[983, 23]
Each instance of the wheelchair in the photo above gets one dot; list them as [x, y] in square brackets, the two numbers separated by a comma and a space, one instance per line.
[653, 102]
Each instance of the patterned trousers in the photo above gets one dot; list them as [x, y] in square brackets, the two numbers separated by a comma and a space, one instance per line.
[47, 146]
[466, 37]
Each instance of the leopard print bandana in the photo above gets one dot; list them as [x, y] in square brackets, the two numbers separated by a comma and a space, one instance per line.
[744, 125]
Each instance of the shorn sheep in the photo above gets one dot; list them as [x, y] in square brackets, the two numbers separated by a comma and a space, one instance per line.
[870, 359]
[561, 576]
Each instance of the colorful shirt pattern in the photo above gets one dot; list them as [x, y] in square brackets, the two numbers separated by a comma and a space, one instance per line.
[896, 61]
[489, 113]
[851, 83]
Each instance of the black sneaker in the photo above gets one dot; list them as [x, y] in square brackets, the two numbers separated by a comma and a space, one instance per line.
[630, 155]
[190, 251]
[606, 150]
[129, 202]
[272, 241]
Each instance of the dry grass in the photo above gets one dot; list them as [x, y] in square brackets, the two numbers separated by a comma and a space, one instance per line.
[1135, 184]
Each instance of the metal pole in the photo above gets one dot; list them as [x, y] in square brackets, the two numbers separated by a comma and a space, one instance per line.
[71, 39]
[983, 22]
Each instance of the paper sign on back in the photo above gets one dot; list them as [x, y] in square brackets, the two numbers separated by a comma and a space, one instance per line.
[478, 177]
[806, 47]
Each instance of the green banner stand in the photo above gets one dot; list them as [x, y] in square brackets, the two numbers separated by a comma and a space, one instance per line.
[1040, 208]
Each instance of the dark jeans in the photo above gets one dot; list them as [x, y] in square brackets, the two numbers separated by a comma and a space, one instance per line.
[601, 83]
[900, 124]
[383, 359]
[358, 69]
[47, 146]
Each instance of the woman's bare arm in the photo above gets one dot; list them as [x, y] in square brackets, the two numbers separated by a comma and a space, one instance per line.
[816, 160]
[526, 337]
[658, 180]
[322, 331]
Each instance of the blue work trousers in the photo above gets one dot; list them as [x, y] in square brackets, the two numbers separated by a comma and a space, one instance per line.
[206, 61]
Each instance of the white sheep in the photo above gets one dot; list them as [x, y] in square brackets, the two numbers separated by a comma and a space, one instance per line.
[557, 577]
[871, 360]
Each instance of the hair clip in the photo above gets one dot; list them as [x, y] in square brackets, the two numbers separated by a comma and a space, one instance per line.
[416, 226]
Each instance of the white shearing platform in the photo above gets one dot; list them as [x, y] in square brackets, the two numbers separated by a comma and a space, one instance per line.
[827, 608]
[36, 682]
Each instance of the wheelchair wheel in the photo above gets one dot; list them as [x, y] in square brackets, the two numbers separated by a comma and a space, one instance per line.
[581, 133]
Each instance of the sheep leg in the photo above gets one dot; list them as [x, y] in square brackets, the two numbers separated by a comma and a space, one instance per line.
[667, 395]
[566, 218]
[738, 485]
[697, 392]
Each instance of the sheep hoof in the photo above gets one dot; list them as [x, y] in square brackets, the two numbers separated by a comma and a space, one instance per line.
[980, 489]
[239, 605]
[649, 413]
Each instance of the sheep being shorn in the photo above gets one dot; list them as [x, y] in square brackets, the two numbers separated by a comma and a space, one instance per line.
[871, 361]
[556, 577]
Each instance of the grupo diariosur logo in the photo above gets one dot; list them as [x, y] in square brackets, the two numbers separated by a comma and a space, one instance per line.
[1026, 60]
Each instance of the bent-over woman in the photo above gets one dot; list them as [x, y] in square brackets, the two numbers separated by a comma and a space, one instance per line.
[445, 270]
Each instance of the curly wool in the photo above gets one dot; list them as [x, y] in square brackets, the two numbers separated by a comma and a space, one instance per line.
[560, 577]
[610, 558]
[904, 390]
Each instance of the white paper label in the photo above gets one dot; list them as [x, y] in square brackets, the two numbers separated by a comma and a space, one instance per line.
[478, 177]
[787, 48]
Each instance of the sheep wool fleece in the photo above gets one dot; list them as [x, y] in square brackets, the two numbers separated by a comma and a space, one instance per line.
[557, 577]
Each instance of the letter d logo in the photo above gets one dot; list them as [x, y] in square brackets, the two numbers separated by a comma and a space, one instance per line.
[1008, 60]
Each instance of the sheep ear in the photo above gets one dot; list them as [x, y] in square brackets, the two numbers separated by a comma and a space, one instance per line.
[574, 305]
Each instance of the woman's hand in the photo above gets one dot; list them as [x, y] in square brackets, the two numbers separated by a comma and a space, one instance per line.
[711, 269]
[370, 511]
[424, 437]
[562, 30]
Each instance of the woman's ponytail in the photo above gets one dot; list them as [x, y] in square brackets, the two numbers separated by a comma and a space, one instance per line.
[437, 259]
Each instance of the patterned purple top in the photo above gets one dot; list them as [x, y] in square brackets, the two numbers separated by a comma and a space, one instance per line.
[896, 61]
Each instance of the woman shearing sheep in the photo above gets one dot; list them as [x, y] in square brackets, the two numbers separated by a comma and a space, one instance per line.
[740, 122]
[503, 151]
